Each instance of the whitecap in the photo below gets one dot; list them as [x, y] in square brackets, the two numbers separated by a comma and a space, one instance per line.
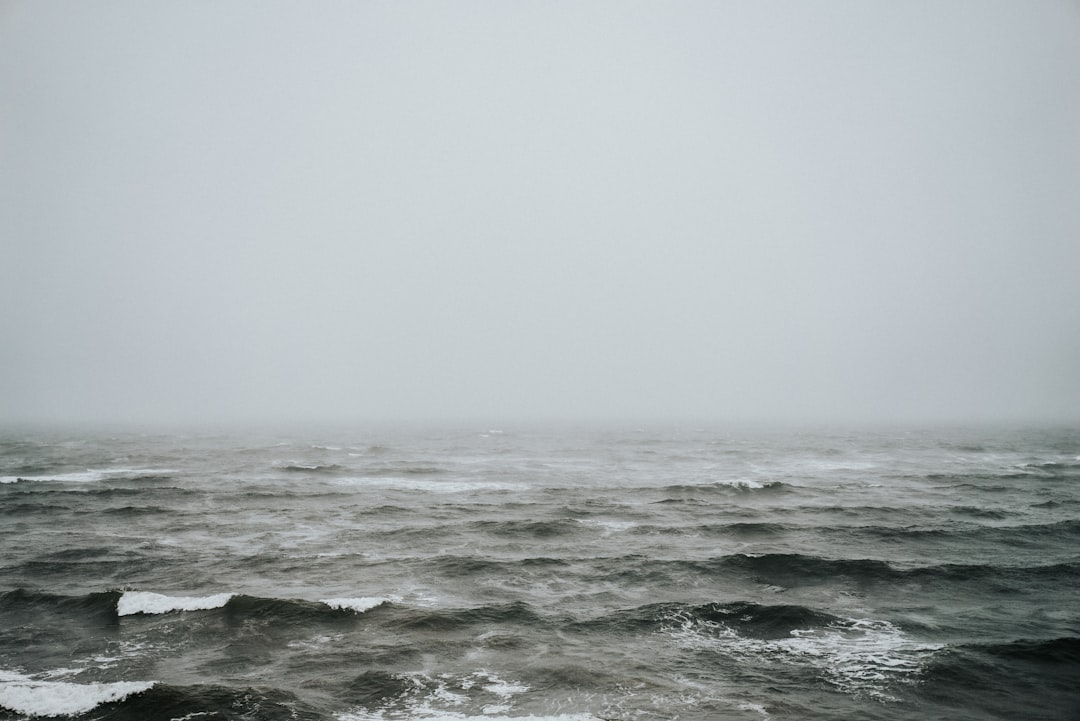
[25, 695]
[355, 604]
[133, 602]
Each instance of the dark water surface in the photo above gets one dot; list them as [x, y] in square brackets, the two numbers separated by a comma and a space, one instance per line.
[639, 574]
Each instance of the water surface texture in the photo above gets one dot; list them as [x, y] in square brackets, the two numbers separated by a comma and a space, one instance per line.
[540, 574]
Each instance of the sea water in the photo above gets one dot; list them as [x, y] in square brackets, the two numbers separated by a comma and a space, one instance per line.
[522, 573]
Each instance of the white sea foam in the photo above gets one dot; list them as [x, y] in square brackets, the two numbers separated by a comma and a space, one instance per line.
[491, 683]
[608, 525]
[437, 695]
[355, 604]
[25, 695]
[133, 602]
[754, 707]
[504, 688]
[861, 657]
[87, 476]
[77, 477]
[439, 715]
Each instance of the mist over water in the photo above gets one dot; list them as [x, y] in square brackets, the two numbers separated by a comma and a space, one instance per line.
[483, 212]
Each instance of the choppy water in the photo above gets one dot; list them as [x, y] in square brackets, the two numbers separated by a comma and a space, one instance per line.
[640, 574]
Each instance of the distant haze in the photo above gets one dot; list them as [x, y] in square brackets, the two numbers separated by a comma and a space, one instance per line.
[539, 210]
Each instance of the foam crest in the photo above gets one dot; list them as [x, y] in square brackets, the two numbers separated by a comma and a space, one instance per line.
[354, 604]
[25, 695]
[133, 602]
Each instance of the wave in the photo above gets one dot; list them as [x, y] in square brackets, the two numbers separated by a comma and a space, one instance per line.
[777, 569]
[528, 528]
[133, 602]
[109, 606]
[140, 700]
[36, 697]
[1012, 534]
[761, 621]
[1057, 504]
[1065, 650]
[791, 569]
[21, 509]
[743, 529]
[310, 468]
[738, 486]
[359, 605]
[95, 608]
[1054, 468]
[439, 620]
[136, 511]
[996, 514]
[83, 564]
[1018, 679]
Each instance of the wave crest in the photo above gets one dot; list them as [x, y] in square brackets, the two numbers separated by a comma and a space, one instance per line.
[32, 697]
[133, 602]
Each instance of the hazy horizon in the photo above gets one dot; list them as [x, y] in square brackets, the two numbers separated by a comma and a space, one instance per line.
[493, 213]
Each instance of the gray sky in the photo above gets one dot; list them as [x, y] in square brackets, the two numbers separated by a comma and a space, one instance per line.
[540, 210]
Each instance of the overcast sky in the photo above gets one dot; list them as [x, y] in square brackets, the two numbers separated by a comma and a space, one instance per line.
[215, 211]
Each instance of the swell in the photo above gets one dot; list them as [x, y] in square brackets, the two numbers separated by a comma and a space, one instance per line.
[751, 619]
[783, 569]
[1008, 535]
[84, 563]
[27, 605]
[1024, 678]
[527, 529]
[25, 509]
[1064, 650]
[1021, 533]
[89, 491]
[798, 567]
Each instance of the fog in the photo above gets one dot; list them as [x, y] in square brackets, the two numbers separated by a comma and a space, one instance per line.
[510, 211]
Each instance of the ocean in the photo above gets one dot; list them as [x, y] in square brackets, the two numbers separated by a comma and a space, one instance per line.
[530, 573]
